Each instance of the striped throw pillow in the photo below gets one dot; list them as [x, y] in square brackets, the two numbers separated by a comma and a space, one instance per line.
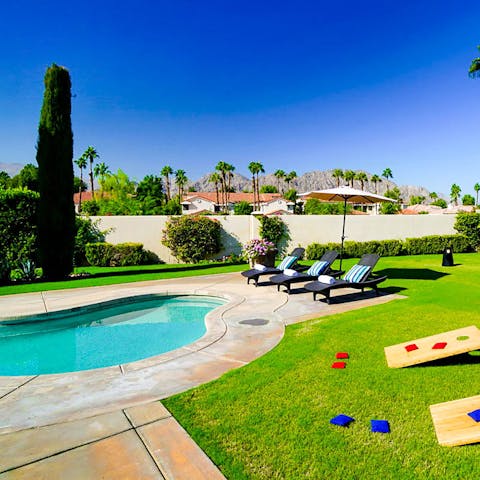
[287, 262]
[317, 268]
[357, 273]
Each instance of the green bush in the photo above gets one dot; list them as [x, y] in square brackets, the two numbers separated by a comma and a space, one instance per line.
[18, 229]
[242, 208]
[468, 224]
[192, 238]
[99, 254]
[391, 248]
[125, 254]
[102, 254]
[272, 229]
[313, 206]
[436, 244]
[86, 232]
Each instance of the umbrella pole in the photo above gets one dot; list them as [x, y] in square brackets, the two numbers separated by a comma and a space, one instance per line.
[343, 230]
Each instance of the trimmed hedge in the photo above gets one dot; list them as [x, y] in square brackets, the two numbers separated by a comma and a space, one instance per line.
[104, 254]
[391, 248]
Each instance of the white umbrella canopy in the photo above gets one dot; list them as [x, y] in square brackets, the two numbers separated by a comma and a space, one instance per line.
[346, 195]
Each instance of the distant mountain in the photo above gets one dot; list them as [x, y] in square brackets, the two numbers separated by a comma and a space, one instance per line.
[11, 168]
[316, 180]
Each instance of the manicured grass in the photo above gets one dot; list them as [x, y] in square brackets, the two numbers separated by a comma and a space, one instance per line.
[270, 419]
[115, 275]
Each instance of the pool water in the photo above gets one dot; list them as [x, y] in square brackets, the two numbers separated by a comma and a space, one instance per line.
[102, 335]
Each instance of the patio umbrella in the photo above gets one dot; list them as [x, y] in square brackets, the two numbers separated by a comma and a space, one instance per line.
[346, 195]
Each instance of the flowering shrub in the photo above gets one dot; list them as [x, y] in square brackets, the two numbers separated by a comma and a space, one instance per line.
[257, 247]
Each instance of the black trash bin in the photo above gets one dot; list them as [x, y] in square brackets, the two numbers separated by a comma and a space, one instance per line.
[447, 257]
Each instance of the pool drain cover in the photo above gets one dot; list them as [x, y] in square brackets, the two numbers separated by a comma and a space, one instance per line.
[254, 321]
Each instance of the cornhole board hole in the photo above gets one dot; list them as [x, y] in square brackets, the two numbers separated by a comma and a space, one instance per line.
[456, 341]
[452, 423]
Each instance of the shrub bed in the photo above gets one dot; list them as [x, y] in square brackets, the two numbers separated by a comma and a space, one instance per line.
[391, 248]
[104, 254]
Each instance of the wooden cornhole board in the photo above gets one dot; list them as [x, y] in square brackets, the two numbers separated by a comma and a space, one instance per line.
[452, 424]
[397, 355]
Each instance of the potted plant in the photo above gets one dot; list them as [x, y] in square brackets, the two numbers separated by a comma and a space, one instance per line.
[260, 251]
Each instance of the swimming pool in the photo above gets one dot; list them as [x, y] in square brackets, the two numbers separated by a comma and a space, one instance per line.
[102, 335]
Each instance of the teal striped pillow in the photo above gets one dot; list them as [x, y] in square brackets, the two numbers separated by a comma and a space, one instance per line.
[357, 273]
[317, 268]
[287, 262]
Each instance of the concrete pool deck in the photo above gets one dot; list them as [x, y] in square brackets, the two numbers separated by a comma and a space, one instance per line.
[108, 423]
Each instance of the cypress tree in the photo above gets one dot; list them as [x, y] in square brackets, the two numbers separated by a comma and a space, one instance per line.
[56, 213]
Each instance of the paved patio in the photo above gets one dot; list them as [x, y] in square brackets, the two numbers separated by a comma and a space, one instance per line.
[108, 423]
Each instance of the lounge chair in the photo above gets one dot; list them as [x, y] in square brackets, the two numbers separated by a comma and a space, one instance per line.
[358, 277]
[288, 262]
[322, 266]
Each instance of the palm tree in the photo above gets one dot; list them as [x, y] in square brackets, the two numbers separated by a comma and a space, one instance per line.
[474, 70]
[476, 187]
[387, 173]
[81, 164]
[216, 180]
[433, 195]
[166, 172]
[180, 180]
[225, 170]
[91, 154]
[338, 175]
[255, 168]
[349, 176]
[279, 174]
[362, 178]
[455, 193]
[375, 179]
[101, 170]
[289, 177]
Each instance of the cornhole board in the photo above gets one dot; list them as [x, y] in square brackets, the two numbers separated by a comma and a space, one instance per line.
[398, 356]
[452, 424]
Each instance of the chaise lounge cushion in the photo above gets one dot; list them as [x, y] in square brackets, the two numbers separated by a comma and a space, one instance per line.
[357, 273]
[317, 268]
[287, 262]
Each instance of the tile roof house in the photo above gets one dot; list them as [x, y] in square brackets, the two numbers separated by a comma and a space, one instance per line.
[206, 202]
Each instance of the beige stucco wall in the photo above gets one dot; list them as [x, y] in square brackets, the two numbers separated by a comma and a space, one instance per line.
[303, 229]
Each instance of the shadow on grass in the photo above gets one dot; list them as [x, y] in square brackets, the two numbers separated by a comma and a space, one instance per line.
[469, 358]
[411, 273]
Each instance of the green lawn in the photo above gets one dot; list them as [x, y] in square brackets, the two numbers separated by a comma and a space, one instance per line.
[115, 275]
[270, 419]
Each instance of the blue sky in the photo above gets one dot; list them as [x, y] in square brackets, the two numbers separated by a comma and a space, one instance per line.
[304, 85]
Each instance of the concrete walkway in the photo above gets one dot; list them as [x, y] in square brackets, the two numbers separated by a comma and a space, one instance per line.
[108, 423]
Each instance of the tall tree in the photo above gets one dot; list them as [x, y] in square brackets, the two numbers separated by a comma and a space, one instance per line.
[81, 164]
[279, 175]
[455, 193]
[226, 173]
[4, 180]
[91, 154]
[349, 176]
[362, 178]
[216, 180]
[166, 172]
[474, 70]
[56, 213]
[338, 175]
[290, 177]
[180, 180]
[476, 187]
[433, 195]
[387, 173]
[100, 171]
[256, 168]
[375, 179]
